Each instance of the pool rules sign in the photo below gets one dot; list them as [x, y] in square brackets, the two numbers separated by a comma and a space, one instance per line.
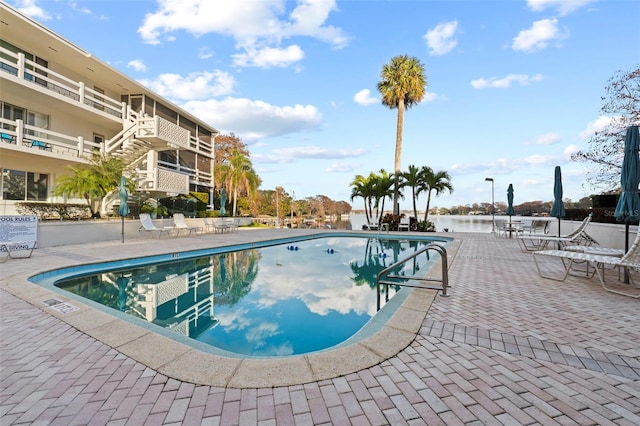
[18, 233]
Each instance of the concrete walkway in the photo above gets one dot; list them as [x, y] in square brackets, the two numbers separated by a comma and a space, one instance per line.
[506, 347]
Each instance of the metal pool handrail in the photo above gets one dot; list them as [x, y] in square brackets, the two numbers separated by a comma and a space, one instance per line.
[384, 277]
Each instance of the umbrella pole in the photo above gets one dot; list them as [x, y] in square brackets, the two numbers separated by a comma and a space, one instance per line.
[122, 217]
[626, 249]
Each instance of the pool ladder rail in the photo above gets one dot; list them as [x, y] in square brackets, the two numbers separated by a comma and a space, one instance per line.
[385, 278]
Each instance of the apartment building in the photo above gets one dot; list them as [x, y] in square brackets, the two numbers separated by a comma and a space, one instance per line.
[60, 105]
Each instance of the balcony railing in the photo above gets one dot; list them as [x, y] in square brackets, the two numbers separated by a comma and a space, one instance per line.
[33, 73]
[20, 134]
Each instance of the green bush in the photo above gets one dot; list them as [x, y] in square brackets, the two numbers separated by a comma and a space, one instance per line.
[426, 226]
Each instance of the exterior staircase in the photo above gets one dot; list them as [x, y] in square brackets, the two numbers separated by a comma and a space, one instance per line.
[138, 145]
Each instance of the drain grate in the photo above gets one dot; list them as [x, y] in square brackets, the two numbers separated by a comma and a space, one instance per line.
[60, 306]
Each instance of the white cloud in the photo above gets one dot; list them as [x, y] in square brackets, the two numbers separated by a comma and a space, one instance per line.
[253, 120]
[258, 27]
[197, 85]
[287, 155]
[308, 19]
[74, 6]
[563, 7]
[31, 9]
[269, 57]
[338, 167]
[570, 150]
[595, 126]
[137, 64]
[364, 97]
[505, 82]
[204, 53]
[430, 96]
[538, 36]
[441, 39]
[539, 160]
[546, 139]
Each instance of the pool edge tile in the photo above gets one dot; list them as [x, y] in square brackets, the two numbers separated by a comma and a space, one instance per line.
[153, 350]
[258, 373]
[340, 362]
[201, 368]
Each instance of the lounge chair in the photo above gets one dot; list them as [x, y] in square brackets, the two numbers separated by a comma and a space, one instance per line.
[598, 257]
[180, 224]
[146, 225]
[534, 242]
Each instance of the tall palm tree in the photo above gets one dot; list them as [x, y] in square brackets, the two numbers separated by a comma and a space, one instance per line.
[402, 85]
[413, 179]
[238, 176]
[431, 181]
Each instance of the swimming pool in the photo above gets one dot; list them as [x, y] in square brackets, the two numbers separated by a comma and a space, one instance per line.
[269, 299]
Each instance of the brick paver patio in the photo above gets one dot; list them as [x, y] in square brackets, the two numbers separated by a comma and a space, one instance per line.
[506, 347]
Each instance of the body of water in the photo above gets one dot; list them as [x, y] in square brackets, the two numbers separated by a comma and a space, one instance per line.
[452, 223]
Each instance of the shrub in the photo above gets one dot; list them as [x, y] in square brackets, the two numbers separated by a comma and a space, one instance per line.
[426, 226]
[53, 211]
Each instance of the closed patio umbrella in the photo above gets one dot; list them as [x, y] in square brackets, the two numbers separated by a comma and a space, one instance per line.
[628, 208]
[557, 210]
[510, 210]
[223, 201]
[123, 208]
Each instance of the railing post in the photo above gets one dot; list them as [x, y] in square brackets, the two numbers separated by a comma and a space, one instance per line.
[80, 146]
[20, 65]
[81, 92]
[19, 132]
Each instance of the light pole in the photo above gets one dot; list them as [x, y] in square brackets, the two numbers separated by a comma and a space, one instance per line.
[493, 206]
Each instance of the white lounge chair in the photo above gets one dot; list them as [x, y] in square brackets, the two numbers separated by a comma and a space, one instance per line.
[534, 242]
[597, 257]
[146, 225]
[181, 225]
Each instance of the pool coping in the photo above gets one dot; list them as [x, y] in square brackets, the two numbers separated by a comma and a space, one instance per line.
[176, 360]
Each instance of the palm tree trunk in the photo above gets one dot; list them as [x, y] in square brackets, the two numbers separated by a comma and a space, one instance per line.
[426, 211]
[398, 155]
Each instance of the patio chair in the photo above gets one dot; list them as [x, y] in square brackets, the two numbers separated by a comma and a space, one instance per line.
[599, 258]
[180, 224]
[535, 226]
[231, 224]
[535, 242]
[405, 224]
[209, 225]
[501, 227]
[146, 225]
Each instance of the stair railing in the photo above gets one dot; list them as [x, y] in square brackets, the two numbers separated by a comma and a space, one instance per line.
[386, 278]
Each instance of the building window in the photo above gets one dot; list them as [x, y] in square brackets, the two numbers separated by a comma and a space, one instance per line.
[24, 186]
[30, 118]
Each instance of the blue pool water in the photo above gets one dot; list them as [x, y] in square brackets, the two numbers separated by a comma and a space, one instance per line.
[287, 298]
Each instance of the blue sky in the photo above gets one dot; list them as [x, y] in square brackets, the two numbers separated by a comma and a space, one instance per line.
[513, 87]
